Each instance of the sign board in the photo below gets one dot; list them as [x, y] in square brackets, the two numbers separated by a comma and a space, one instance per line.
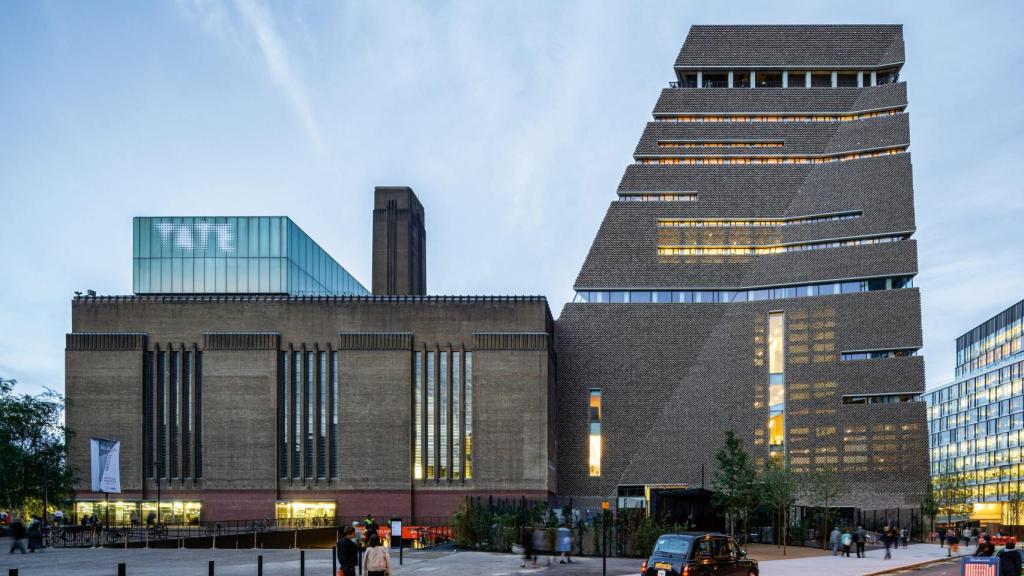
[105, 465]
[604, 505]
[396, 528]
[980, 566]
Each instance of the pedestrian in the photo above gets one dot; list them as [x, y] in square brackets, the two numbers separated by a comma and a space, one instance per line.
[58, 517]
[846, 539]
[377, 561]
[967, 536]
[20, 535]
[369, 528]
[833, 539]
[888, 539]
[860, 537]
[348, 552]
[903, 537]
[563, 544]
[953, 543]
[1010, 560]
[985, 547]
[526, 541]
[540, 542]
[942, 536]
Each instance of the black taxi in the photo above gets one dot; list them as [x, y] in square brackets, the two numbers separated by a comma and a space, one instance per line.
[698, 554]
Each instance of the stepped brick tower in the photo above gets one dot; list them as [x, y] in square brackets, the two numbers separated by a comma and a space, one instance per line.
[756, 274]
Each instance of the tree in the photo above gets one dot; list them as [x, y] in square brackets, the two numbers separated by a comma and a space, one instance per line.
[32, 445]
[821, 488]
[929, 505]
[734, 480]
[779, 488]
[952, 495]
[1015, 506]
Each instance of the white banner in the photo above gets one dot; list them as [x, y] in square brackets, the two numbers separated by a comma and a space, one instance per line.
[106, 465]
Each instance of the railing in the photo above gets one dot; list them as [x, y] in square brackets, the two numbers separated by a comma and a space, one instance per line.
[716, 84]
[318, 532]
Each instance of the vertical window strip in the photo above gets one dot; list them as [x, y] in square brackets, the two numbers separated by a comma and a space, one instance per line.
[282, 416]
[443, 415]
[596, 440]
[310, 412]
[175, 413]
[431, 420]
[334, 415]
[776, 383]
[456, 415]
[417, 455]
[297, 417]
[321, 441]
[469, 417]
[186, 413]
[198, 411]
[161, 419]
[147, 413]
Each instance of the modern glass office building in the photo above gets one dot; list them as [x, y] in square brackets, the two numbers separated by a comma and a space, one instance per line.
[976, 423]
[233, 255]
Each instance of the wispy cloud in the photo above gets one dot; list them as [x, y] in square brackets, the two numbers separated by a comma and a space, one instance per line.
[255, 18]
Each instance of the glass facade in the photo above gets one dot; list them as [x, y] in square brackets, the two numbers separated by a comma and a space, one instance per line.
[443, 415]
[594, 457]
[746, 295]
[233, 255]
[976, 423]
[776, 383]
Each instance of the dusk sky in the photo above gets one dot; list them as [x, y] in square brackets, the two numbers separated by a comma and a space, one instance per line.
[513, 122]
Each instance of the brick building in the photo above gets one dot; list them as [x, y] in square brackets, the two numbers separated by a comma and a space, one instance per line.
[323, 401]
[754, 273]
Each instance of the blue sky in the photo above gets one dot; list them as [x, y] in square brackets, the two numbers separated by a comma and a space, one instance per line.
[513, 121]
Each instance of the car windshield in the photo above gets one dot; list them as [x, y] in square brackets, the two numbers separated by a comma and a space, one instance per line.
[672, 546]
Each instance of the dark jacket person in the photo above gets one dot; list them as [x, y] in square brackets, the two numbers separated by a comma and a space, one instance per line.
[985, 547]
[348, 552]
[1010, 560]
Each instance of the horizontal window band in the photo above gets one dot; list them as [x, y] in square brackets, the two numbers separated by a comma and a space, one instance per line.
[747, 118]
[745, 160]
[665, 197]
[877, 354]
[742, 295]
[756, 222]
[723, 144]
[751, 250]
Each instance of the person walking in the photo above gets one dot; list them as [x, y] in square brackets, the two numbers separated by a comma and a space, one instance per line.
[1010, 560]
[953, 544]
[942, 536]
[860, 537]
[846, 539]
[563, 544]
[348, 552]
[526, 541]
[888, 539]
[20, 535]
[967, 536]
[985, 547]
[370, 528]
[903, 537]
[833, 539]
[377, 561]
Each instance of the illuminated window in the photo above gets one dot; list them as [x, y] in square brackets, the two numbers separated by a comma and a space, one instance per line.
[443, 412]
[740, 160]
[309, 412]
[418, 422]
[456, 415]
[297, 416]
[761, 250]
[742, 118]
[321, 437]
[334, 416]
[431, 420]
[776, 383]
[756, 222]
[741, 144]
[469, 416]
[595, 432]
[665, 197]
[282, 403]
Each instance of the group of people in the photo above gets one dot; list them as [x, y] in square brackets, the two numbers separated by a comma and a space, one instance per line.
[532, 540]
[376, 559]
[26, 538]
[1010, 558]
[842, 541]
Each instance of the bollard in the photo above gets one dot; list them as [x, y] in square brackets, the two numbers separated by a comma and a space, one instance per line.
[211, 567]
[259, 565]
[122, 569]
[334, 561]
[302, 563]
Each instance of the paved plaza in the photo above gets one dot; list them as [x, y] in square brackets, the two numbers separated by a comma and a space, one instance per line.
[193, 562]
